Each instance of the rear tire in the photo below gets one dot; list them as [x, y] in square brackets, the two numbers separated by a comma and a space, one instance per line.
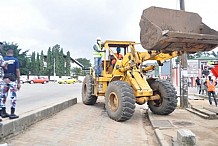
[168, 102]
[87, 91]
[119, 101]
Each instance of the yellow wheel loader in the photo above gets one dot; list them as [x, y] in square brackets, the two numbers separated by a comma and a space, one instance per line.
[165, 34]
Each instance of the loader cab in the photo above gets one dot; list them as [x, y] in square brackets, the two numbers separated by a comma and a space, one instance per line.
[110, 55]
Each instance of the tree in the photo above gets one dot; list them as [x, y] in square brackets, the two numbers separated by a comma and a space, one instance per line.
[85, 62]
[215, 54]
[196, 55]
[55, 54]
[37, 65]
[68, 65]
[33, 63]
[76, 71]
[41, 64]
[49, 60]
[21, 56]
[61, 62]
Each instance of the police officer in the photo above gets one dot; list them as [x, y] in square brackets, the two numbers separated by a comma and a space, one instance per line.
[12, 73]
[97, 54]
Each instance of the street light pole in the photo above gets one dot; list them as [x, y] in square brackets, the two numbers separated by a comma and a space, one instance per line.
[184, 73]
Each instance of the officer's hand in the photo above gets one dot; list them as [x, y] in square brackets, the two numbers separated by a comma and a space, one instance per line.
[6, 80]
[18, 86]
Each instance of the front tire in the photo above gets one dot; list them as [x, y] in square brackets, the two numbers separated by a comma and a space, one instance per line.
[119, 101]
[87, 91]
[168, 99]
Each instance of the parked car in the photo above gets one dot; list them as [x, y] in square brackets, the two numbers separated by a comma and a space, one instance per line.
[41, 80]
[67, 81]
[23, 80]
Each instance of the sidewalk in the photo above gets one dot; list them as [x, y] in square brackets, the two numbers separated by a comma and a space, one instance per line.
[205, 130]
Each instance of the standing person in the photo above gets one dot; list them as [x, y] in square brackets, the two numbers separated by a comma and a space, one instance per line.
[118, 55]
[97, 54]
[210, 83]
[11, 72]
[203, 87]
[198, 83]
[2, 65]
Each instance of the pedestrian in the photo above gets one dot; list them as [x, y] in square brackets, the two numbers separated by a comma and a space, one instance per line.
[2, 65]
[97, 54]
[203, 87]
[210, 83]
[12, 73]
[198, 84]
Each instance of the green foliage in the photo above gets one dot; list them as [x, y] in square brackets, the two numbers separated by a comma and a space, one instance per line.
[85, 62]
[68, 65]
[76, 71]
[37, 65]
[41, 64]
[21, 56]
[49, 67]
[61, 63]
[33, 64]
[194, 56]
[215, 54]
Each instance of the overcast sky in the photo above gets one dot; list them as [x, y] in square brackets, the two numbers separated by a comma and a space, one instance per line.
[75, 24]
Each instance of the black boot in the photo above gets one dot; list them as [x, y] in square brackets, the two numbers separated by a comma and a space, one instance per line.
[13, 116]
[3, 113]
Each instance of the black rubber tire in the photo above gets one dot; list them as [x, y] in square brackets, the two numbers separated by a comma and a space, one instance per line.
[126, 98]
[87, 90]
[168, 102]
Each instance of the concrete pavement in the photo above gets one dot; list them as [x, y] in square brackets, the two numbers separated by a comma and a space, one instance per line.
[87, 125]
[90, 125]
[205, 130]
[37, 102]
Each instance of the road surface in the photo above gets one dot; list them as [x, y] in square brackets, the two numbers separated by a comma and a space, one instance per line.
[35, 96]
[79, 124]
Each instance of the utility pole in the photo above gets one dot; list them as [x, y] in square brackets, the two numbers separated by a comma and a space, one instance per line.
[184, 73]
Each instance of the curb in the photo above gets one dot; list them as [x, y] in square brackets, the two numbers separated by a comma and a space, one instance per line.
[16, 126]
[158, 134]
[160, 138]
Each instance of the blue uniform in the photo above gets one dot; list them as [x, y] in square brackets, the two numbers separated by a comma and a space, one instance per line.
[10, 72]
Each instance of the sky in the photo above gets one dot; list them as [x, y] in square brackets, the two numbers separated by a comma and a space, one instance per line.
[36, 25]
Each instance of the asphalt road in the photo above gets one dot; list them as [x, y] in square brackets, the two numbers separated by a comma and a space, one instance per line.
[34, 96]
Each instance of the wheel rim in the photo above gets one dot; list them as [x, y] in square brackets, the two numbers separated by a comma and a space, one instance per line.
[113, 101]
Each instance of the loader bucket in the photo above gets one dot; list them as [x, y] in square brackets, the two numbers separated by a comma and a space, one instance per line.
[169, 30]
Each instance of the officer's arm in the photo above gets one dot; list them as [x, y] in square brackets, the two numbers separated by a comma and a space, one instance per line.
[96, 48]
